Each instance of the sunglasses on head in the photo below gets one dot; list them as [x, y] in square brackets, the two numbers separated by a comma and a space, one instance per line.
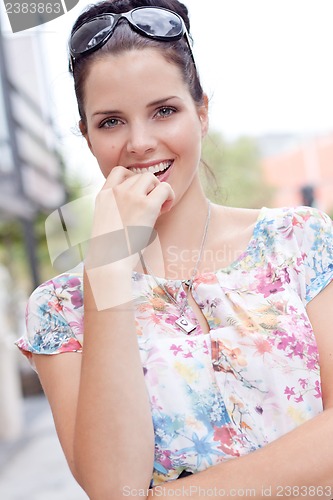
[153, 22]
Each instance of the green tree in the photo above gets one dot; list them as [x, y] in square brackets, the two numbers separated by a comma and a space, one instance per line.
[237, 169]
[12, 245]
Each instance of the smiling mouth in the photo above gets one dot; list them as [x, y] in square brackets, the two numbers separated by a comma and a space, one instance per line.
[157, 169]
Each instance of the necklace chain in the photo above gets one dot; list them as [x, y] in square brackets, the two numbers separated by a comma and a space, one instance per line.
[183, 322]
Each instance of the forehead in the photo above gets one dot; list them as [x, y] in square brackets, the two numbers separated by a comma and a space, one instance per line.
[143, 74]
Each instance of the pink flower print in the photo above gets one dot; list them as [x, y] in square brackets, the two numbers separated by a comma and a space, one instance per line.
[55, 305]
[290, 392]
[284, 342]
[164, 459]
[154, 366]
[268, 289]
[57, 283]
[299, 399]
[318, 390]
[208, 278]
[171, 318]
[73, 282]
[312, 349]
[138, 328]
[71, 345]
[76, 298]
[216, 345]
[286, 275]
[155, 405]
[262, 346]
[306, 216]
[155, 319]
[296, 222]
[303, 383]
[269, 283]
[298, 350]
[77, 326]
[299, 260]
[225, 435]
[190, 343]
[206, 349]
[286, 228]
[176, 349]
[312, 364]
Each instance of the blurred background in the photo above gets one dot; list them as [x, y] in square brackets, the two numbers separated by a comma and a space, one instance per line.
[266, 66]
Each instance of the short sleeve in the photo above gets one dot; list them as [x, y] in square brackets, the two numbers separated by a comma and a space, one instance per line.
[314, 230]
[54, 318]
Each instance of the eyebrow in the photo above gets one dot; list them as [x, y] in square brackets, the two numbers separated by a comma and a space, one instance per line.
[159, 102]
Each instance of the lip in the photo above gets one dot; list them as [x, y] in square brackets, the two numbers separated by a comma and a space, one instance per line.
[164, 177]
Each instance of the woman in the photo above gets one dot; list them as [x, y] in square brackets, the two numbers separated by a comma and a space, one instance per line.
[203, 324]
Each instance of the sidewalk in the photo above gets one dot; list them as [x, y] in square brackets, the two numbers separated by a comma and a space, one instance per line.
[34, 467]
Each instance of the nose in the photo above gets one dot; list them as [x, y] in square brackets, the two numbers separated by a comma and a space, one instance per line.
[141, 139]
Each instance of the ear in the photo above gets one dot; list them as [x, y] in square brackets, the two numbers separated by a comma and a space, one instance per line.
[203, 116]
[84, 132]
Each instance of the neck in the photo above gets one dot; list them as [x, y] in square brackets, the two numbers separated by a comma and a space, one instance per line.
[180, 233]
[183, 225]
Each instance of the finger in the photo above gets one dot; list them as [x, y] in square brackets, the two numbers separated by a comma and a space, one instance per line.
[141, 183]
[145, 182]
[117, 175]
[163, 195]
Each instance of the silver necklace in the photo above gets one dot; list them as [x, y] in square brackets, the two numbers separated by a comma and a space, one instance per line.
[182, 322]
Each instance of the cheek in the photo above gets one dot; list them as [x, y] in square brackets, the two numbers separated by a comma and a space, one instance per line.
[106, 154]
[185, 135]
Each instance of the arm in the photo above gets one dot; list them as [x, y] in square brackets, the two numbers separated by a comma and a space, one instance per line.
[100, 402]
[301, 458]
[114, 438]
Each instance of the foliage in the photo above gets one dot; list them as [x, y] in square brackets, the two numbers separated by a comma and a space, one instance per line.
[13, 252]
[237, 169]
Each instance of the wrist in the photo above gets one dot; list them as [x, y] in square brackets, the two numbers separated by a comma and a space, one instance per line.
[110, 285]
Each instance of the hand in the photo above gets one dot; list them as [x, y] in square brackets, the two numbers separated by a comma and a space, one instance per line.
[129, 199]
[125, 213]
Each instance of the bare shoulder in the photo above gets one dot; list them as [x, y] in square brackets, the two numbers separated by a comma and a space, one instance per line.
[230, 232]
[235, 220]
[243, 216]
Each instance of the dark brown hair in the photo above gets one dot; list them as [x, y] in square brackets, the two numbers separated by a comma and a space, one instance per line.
[125, 38]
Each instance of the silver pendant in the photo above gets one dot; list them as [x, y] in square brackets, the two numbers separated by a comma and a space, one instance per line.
[185, 325]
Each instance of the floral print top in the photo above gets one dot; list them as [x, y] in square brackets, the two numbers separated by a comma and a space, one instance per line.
[252, 378]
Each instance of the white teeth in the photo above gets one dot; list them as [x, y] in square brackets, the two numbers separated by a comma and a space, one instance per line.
[159, 167]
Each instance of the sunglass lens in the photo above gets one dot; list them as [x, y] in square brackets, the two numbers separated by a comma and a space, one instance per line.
[161, 23]
[91, 34]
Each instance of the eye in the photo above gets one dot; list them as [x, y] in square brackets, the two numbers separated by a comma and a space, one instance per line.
[110, 123]
[165, 111]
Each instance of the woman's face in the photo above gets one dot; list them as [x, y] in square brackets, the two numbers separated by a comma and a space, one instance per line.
[140, 114]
